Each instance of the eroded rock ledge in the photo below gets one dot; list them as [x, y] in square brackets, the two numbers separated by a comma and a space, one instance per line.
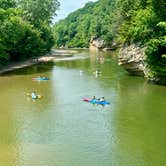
[96, 43]
[132, 59]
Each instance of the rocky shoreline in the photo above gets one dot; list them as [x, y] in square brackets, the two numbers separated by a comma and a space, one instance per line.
[52, 56]
[131, 57]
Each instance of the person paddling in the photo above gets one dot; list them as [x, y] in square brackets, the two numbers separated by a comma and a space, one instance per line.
[33, 95]
[94, 98]
[102, 99]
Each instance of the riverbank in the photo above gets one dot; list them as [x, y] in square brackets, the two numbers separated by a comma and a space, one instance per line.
[52, 56]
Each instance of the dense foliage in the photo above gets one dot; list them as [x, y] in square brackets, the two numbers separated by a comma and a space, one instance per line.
[25, 28]
[92, 20]
[156, 52]
[121, 21]
[144, 21]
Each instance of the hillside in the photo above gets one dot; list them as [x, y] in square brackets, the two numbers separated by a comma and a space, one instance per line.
[122, 21]
[94, 19]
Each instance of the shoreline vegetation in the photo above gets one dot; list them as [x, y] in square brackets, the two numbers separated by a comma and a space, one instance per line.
[51, 56]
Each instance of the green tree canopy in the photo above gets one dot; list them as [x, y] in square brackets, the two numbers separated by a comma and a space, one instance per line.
[25, 28]
[5, 4]
[37, 11]
[94, 19]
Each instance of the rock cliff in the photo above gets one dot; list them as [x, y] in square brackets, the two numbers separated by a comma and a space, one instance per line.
[96, 43]
[132, 59]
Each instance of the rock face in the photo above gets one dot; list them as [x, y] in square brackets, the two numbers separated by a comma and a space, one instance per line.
[132, 59]
[96, 43]
[99, 44]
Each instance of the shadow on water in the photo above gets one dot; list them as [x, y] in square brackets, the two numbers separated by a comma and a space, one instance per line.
[38, 68]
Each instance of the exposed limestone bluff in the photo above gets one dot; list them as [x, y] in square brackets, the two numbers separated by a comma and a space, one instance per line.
[98, 43]
[131, 57]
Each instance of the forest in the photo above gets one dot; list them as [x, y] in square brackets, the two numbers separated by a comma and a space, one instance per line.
[119, 21]
[25, 29]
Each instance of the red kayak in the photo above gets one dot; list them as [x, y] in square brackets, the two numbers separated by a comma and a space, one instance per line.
[86, 99]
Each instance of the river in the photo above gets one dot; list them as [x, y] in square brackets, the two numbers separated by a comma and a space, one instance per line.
[62, 130]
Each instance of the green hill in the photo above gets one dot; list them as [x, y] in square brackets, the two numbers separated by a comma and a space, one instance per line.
[124, 21]
[94, 19]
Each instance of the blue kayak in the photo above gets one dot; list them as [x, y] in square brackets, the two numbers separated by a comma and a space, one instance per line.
[96, 101]
[99, 102]
[41, 79]
[34, 96]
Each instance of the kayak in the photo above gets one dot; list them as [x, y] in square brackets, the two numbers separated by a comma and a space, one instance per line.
[34, 96]
[94, 101]
[40, 79]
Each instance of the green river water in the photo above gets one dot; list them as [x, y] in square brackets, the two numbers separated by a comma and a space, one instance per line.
[62, 130]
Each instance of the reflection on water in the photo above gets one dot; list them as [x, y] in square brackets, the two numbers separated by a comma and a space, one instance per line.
[61, 129]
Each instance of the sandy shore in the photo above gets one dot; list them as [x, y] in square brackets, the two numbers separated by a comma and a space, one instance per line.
[52, 56]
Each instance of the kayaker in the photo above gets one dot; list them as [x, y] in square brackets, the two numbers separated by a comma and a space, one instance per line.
[33, 95]
[102, 99]
[97, 72]
[94, 98]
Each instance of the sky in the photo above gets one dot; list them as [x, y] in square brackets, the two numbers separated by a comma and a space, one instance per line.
[68, 6]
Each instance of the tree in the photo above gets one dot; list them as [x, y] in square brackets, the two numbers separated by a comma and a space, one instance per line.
[14, 31]
[94, 19]
[5, 4]
[37, 11]
[159, 8]
[156, 52]
[24, 30]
